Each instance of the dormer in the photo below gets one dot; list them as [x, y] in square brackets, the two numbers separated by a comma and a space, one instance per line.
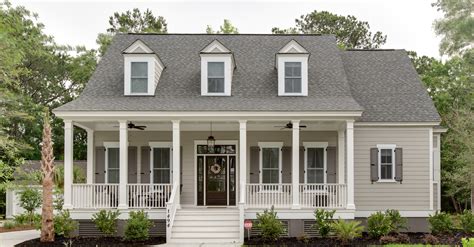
[217, 67]
[142, 69]
[292, 66]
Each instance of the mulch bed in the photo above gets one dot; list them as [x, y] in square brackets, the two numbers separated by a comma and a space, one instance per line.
[91, 241]
[365, 240]
[16, 228]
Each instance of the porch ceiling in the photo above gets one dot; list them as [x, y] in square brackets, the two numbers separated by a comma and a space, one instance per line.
[329, 125]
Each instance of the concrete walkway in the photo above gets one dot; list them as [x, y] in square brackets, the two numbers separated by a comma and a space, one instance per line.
[9, 239]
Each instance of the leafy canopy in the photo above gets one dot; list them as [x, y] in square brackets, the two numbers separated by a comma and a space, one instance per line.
[349, 31]
[226, 28]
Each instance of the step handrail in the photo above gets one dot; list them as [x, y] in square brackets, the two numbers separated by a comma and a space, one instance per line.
[171, 208]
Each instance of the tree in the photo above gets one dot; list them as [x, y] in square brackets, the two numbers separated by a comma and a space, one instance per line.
[47, 166]
[226, 28]
[456, 27]
[450, 84]
[350, 33]
[131, 21]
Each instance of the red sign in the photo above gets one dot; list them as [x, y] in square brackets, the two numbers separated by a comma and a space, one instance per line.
[248, 224]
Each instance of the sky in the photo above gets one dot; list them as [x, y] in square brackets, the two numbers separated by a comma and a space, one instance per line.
[408, 24]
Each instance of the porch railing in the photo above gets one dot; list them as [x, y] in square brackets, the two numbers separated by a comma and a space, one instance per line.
[171, 208]
[95, 195]
[266, 195]
[148, 195]
[323, 195]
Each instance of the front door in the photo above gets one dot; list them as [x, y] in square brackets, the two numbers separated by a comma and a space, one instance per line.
[216, 180]
[216, 175]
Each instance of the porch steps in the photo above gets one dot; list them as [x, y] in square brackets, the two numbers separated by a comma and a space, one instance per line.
[206, 225]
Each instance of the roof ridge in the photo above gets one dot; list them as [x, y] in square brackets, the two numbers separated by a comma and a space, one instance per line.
[374, 49]
[230, 34]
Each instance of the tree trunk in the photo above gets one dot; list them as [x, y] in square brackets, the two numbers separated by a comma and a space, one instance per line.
[47, 165]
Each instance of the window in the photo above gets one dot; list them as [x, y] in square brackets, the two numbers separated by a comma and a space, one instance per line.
[270, 163]
[139, 77]
[315, 167]
[386, 162]
[113, 165]
[215, 77]
[161, 169]
[292, 77]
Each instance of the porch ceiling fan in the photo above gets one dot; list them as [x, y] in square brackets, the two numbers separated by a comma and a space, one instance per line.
[133, 126]
[289, 125]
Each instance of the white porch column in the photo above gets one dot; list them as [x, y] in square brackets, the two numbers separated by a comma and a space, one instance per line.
[340, 156]
[176, 158]
[123, 164]
[350, 163]
[68, 163]
[295, 164]
[90, 156]
[243, 158]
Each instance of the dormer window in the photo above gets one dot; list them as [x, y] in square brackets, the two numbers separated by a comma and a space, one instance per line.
[292, 77]
[217, 66]
[142, 69]
[292, 66]
[139, 77]
[215, 77]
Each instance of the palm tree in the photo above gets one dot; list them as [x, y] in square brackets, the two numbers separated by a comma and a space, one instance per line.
[47, 165]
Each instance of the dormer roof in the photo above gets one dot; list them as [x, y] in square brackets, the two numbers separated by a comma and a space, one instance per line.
[293, 47]
[138, 47]
[215, 47]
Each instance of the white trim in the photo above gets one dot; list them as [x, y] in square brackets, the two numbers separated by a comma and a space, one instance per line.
[264, 115]
[216, 44]
[396, 123]
[300, 214]
[263, 145]
[228, 71]
[414, 213]
[153, 145]
[111, 144]
[324, 146]
[430, 133]
[218, 142]
[138, 44]
[386, 146]
[293, 45]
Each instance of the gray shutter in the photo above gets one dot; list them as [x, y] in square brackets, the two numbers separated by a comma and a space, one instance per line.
[374, 164]
[145, 165]
[399, 164]
[302, 171]
[132, 165]
[286, 165]
[100, 165]
[331, 164]
[254, 165]
[180, 169]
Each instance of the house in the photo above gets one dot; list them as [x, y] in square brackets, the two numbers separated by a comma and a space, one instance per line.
[204, 131]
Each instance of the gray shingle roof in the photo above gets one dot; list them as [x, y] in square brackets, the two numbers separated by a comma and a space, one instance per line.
[387, 85]
[254, 83]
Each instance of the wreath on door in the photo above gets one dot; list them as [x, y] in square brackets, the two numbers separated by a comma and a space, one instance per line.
[216, 169]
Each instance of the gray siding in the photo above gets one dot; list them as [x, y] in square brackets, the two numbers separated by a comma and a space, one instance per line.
[413, 193]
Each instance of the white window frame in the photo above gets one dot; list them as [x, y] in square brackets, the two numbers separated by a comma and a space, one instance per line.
[150, 59]
[224, 58]
[281, 60]
[107, 146]
[278, 145]
[160, 145]
[294, 77]
[386, 146]
[324, 146]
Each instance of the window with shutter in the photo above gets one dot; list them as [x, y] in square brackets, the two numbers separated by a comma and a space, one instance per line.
[386, 162]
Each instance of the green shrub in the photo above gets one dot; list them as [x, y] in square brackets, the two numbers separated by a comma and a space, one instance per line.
[324, 220]
[347, 230]
[138, 226]
[468, 242]
[466, 220]
[58, 201]
[30, 200]
[106, 221]
[270, 225]
[63, 224]
[9, 224]
[378, 225]
[26, 219]
[397, 222]
[441, 223]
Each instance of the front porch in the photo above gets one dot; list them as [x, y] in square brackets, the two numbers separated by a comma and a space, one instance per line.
[257, 166]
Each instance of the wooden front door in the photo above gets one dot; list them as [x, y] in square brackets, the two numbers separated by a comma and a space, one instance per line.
[216, 180]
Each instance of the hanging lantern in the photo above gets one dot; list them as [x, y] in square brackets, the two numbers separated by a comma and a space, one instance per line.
[211, 142]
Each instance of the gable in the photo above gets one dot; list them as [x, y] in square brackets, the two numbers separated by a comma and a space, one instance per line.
[138, 47]
[215, 47]
[293, 47]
